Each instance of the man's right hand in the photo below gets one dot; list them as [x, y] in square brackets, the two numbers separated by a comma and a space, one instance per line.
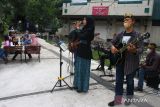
[114, 50]
[78, 24]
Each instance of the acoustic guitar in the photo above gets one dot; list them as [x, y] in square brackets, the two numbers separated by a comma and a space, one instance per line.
[119, 57]
[73, 45]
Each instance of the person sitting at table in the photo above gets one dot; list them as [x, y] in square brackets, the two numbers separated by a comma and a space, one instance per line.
[6, 42]
[11, 35]
[34, 40]
[12, 38]
[26, 41]
[15, 41]
[3, 53]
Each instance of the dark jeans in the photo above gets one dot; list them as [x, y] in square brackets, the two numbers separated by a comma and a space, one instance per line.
[120, 80]
[3, 53]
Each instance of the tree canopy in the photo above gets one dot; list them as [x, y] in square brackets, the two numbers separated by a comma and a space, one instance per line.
[30, 14]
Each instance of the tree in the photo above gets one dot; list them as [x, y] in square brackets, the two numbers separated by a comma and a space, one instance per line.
[6, 14]
[45, 13]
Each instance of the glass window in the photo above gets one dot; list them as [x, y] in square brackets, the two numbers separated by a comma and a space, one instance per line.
[79, 1]
[130, 1]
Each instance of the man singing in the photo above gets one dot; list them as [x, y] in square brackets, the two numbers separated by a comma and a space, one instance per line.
[128, 65]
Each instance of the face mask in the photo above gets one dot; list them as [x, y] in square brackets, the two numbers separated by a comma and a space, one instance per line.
[149, 50]
[126, 25]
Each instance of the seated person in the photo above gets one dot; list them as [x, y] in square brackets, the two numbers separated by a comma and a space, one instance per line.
[11, 35]
[12, 38]
[15, 41]
[34, 40]
[150, 68]
[6, 41]
[26, 41]
[107, 55]
[3, 53]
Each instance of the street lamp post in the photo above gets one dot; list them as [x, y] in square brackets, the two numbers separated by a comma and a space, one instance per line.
[37, 27]
[19, 25]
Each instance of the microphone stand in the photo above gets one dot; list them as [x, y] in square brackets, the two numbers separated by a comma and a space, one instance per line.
[60, 78]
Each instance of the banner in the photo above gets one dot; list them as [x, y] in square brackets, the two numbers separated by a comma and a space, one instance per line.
[100, 10]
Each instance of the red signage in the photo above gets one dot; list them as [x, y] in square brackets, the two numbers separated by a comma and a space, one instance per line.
[100, 10]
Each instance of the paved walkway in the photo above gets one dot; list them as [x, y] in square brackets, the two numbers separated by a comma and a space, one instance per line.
[29, 84]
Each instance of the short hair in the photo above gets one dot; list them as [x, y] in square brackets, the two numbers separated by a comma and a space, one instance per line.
[152, 46]
[6, 38]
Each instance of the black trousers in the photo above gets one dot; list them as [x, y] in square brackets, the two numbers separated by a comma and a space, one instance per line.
[153, 82]
[17, 52]
[108, 55]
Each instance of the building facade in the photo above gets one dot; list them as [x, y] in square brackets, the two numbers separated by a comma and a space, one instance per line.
[109, 14]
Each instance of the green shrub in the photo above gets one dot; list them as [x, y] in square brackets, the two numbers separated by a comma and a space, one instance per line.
[1, 41]
[96, 56]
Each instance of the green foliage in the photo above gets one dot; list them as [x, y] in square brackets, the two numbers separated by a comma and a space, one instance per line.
[5, 28]
[96, 56]
[158, 48]
[6, 14]
[45, 13]
[1, 39]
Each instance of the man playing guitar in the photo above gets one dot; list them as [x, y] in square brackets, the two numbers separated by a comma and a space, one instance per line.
[129, 62]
